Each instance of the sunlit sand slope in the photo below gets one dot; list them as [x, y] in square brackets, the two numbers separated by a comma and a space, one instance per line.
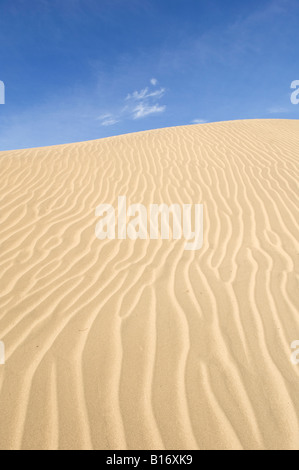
[143, 345]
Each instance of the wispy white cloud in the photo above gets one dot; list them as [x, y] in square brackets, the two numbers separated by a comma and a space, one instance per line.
[109, 122]
[143, 110]
[104, 116]
[199, 121]
[148, 104]
[278, 110]
[137, 95]
[157, 94]
[146, 94]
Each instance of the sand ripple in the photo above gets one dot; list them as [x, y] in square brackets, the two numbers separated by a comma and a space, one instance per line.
[123, 345]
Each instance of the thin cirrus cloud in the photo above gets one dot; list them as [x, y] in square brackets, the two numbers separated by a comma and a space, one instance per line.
[108, 120]
[146, 94]
[278, 110]
[143, 110]
[199, 121]
[138, 105]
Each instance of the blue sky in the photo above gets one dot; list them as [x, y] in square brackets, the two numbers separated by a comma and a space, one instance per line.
[78, 70]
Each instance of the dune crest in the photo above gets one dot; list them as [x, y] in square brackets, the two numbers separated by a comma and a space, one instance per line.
[122, 344]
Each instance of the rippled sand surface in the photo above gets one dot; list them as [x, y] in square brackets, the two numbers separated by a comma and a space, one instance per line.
[118, 344]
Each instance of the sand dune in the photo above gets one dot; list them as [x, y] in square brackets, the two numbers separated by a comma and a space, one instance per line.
[118, 344]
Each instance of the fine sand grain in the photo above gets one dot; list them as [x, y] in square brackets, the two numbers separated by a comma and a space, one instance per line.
[142, 345]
